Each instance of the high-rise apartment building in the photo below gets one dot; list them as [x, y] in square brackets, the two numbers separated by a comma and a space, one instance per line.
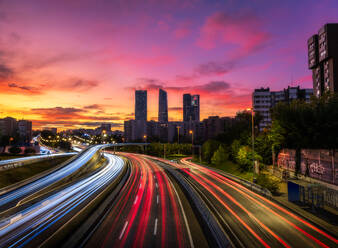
[162, 106]
[25, 130]
[195, 105]
[8, 126]
[264, 99]
[191, 107]
[323, 59]
[141, 105]
[186, 107]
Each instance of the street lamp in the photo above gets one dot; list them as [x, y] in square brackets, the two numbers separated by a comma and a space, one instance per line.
[192, 141]
[145, 138]
[252, 141]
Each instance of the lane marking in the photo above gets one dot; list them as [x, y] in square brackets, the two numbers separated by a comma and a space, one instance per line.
[157, 199]
[123, 230]
[140, 185]
[156, 185]
[135, 199]
[184, 216]
[155, 228]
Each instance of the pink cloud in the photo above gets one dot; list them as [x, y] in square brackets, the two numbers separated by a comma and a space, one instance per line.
[244, 32]
[182, 31]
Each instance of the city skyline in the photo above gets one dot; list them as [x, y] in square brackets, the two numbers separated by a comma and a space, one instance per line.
[79, 65]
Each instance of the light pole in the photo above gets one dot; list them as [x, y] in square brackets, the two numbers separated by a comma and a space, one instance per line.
[178, 138]
[192, 141]
[252, 141]
[145, 141]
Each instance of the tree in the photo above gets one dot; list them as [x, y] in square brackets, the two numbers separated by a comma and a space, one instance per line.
[244, 158]
[208, 149]
[263, 147]
[220, 155]
[236, 144]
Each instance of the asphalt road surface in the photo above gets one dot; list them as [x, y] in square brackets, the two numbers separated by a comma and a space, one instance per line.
[148, 213]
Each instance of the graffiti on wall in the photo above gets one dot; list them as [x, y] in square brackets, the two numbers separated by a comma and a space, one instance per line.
[318, 164]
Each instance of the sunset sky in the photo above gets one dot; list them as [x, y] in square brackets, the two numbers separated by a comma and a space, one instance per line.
[75, 64]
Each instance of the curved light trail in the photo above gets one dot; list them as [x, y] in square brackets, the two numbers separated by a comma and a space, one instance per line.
[49, 179]
[20, 229]
[148, 212]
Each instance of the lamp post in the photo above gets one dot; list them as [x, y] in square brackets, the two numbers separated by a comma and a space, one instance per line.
[252, 141]
[145, 141]
[192, 141]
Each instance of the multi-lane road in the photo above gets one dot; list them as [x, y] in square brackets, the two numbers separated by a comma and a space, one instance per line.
[151, 208]
[148, 213]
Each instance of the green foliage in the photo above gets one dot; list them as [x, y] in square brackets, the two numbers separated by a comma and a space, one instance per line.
[244, 158]
[15, 150]
[263, 147]
[268, 183]
[208, 149]
[220, 155]
[236, 144]
[303, 125]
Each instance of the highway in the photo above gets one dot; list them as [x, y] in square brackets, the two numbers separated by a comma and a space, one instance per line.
[152, 210]
[148, 213]
[11, 198]
[250, 219]
[34, 224]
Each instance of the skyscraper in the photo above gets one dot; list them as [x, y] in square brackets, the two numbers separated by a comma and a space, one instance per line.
[25, 130]
[191, 107]
[195, 107]
[141, 105]
[186, 107]
[162, 106]
[323, 59]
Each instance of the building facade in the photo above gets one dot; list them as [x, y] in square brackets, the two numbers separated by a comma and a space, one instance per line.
[162, 106]
[141, 105]
[323, 59]
[263, 100]
[25, 130]
[191, 107]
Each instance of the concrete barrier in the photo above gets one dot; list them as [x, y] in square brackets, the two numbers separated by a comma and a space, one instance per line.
[217, 237]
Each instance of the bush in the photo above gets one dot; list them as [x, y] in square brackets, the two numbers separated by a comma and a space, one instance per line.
[220, 155]
[15, 150]
[268, 183]
[244, 158]
[208, 149]
[29, 150]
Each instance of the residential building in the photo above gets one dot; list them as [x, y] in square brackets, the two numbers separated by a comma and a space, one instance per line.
[135, 130]
[25, 130]
[8, 126]
[264, 99]
[141, 105]
[323, 59]
[106, 127]
[162, 106]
